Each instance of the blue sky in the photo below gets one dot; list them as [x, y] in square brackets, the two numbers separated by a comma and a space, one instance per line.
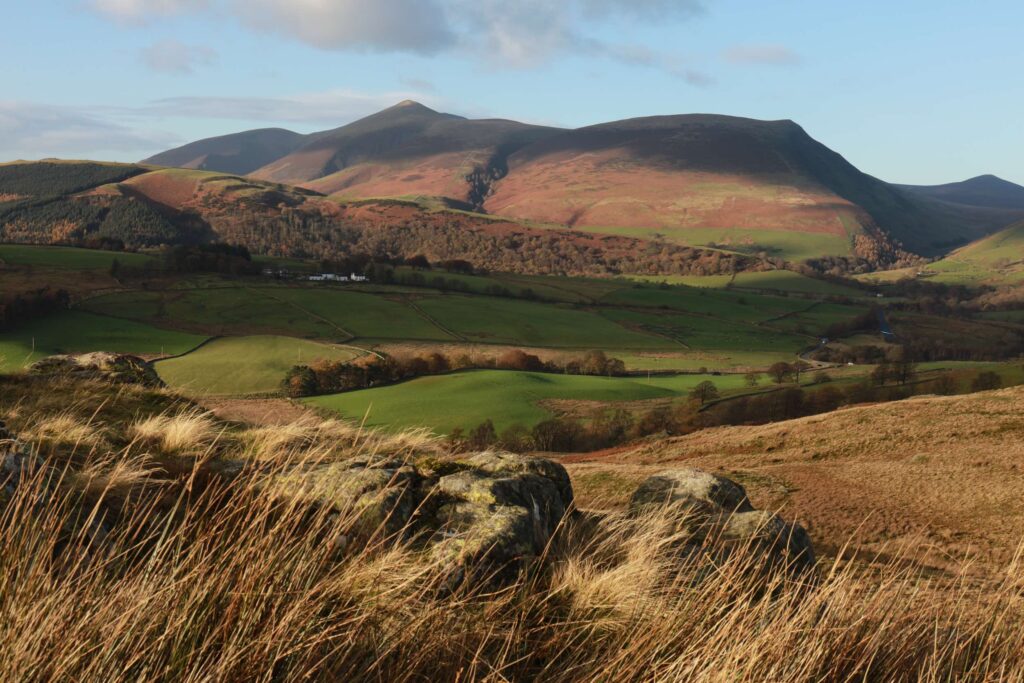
[909, 91]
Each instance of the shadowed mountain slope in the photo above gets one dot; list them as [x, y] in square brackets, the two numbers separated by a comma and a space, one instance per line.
[406, 149]
[236, 153]
[985, 190]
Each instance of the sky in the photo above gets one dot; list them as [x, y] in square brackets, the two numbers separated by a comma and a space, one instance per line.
[907, 90]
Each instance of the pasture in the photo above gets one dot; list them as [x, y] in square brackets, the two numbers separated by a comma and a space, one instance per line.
[79, 332]
[67, 258]
[465, 399]
[244, 365]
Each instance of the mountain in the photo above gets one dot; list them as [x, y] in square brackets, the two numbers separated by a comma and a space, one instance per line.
[732, 179]
[236, 153]
[407, 149]
[985, 190]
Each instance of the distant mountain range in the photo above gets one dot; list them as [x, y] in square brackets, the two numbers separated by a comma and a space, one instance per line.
[699, 179]
[984, 190]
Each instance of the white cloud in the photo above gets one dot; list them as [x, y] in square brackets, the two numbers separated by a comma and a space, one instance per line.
[385, 25]
[769, 55]
[142, 10]
[173, 57]
[32, 130]
[507, 33]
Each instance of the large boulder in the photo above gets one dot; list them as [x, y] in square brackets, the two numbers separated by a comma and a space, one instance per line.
[504, 508]
[488, 509]
[715, 513]
[99, 365]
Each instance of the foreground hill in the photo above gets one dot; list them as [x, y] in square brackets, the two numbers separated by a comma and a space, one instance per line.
[147, 540]
[985, 190]
[236, 153]
[938, 477]
[693, 179]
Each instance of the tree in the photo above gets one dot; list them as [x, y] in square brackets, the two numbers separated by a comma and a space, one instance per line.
[780, 372]
[704, 392]
[944, 384]
[483, 435]
[300, 381]
[515, 438]
[752, 378]
[419, 262]
[986, 381]
[881, 374]
[799, 367]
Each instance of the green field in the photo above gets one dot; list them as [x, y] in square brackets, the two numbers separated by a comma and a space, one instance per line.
[77, 332]
[508, 321]
[69, 258]
[464, 399]
[710, 333]
[994, 260]
[769, 280]
[788, 244]
[361, 314]
[244, 365]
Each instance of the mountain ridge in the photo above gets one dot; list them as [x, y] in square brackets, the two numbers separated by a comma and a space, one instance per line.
[692, 179]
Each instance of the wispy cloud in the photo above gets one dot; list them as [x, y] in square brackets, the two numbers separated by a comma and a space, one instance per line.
[173, 57]
[33, 130]
[503, 33]
[767, 55]
[137, 11]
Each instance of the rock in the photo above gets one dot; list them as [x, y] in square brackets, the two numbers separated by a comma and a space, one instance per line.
[100, 365]
[499, 509]
[715, 512]
[690, 486]
[373, 496]
[504, 515]
[509, 463]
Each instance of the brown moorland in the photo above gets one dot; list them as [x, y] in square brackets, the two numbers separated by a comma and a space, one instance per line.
[940, 476]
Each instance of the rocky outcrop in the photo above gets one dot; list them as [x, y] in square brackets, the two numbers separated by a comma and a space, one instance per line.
[499, 510]
[714, 512]
[494, 507]
[99, 365]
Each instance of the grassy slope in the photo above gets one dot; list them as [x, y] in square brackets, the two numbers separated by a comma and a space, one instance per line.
[994, 260]
[77, 331]
[533, 324]
[244, 365]
[507, 397]
[67, 258]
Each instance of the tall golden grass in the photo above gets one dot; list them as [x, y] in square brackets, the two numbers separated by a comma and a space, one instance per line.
[115, 572]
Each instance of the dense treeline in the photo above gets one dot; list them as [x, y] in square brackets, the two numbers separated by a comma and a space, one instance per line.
[17, 308]
[132, 222]
[44, 179]
[330, 377]
[313, 232]
[607, 427]
[225, 259]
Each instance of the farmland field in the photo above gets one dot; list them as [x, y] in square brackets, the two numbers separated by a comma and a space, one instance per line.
[77, 331]
[244, 365]
[464, 399]
[533, 324]
[69, 258]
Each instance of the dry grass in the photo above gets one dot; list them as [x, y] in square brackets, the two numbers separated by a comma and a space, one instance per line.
[117, 570]
[191, 431]
[65, 429]
[941, 475]
[239, 588]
